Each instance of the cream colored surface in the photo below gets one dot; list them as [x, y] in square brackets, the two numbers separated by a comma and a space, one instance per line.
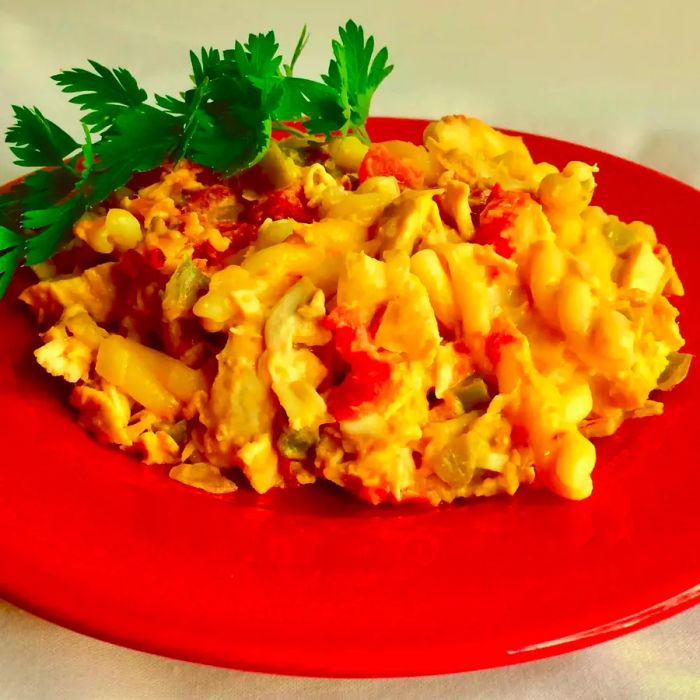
[620, 76]
[40, 661]
[616, 75]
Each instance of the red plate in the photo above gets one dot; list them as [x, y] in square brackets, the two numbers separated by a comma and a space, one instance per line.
[312, 582]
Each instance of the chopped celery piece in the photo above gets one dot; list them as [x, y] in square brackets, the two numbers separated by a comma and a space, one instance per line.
[462, 458]
[472, 393]
[182, 289]
[456, 463]
[295, 444]
[676, 370]
[620, 236]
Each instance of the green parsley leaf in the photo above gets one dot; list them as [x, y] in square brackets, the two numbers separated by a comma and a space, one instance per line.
[174, 105]
[37, 141]
[9, 239]
[224, 122]
[192, 117]
[57, 226]
[258, 60]
[142, 138]
[104, 94]
[355, 74]
[45, 187]
[11, 251]
[88, 157]
[227, 117]
[12, 205]
[206, 65]
[314, 103]
[235, 116]
[189, 110]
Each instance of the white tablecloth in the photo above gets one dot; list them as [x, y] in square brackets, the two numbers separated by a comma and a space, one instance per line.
[615, 75]
[42, 661]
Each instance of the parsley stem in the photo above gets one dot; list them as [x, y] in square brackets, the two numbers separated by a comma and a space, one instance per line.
[361, 131]
[191, 119]
[66, 165]
[279, 126]
[301, 44]
[88, 152]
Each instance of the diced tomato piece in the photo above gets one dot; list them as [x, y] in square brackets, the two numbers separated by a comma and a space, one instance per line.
[363, 385]
[289, 203]
[346, 330]
[376, 495]
[140, 288]
[132, 266]
[140, 180]
[206, 251]
[155, 257]
[205, 175]
[495, 342]
[241, 235]
[367, 374]
[284, 466]
[202, 200]
[492, 272]
[380, 161]
[379, 494]
[498, 219]
[376, 321]
[519, 436]
[76, 259]
[182, 336]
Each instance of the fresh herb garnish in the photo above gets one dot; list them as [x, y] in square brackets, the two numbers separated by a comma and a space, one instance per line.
[11, 251]
[224, 122]
[302, 41]
[103, 94]
[38, 142]
[354, 74]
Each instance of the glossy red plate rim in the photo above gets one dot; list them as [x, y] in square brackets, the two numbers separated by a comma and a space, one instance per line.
[92, 547]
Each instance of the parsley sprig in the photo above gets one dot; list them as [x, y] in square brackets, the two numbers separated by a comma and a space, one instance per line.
[355, 73]
[224, 121]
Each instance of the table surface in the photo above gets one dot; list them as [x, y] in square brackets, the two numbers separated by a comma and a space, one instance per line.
[611, 74]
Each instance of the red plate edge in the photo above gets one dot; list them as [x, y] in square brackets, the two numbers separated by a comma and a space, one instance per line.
[26, 582]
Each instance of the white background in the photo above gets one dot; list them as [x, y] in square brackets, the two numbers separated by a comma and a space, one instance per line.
[621, 76]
